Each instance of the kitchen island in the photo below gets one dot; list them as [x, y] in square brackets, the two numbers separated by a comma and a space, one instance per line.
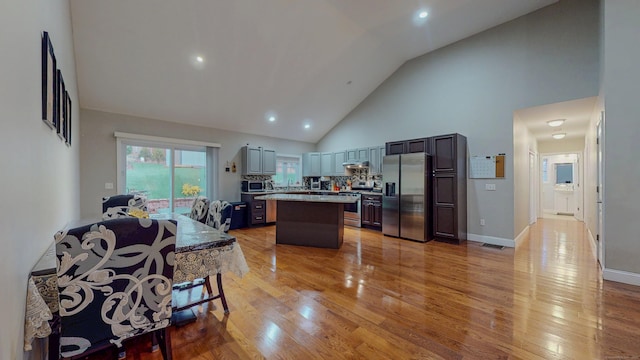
[310, 220]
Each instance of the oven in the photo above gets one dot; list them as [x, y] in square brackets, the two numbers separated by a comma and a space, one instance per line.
[352, 211]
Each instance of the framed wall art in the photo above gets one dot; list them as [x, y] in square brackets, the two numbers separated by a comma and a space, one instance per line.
[49, 82]
[60, 117]
[68, 118]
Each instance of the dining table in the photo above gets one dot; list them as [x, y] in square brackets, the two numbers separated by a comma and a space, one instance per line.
[201, 251]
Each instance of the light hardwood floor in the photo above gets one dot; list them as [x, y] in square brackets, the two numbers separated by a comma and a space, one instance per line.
[384, 298]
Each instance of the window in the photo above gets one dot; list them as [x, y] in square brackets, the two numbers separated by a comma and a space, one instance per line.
[545, 173]
[170, 175]
[288, 170]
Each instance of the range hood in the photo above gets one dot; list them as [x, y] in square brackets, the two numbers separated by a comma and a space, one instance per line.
[355, 164]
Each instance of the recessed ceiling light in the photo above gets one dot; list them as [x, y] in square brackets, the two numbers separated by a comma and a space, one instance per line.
[272, 118]
[559, 136]
[423, 14]
[555, 123]
[307, 126]
[199, 59]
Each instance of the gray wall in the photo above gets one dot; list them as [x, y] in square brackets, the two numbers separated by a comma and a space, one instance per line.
[40, 174]
[622, 173]
[474, 86]
[98, 152]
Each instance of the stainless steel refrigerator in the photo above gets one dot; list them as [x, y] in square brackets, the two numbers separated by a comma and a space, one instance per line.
[406, 199]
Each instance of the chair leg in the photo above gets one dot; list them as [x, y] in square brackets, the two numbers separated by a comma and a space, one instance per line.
[165, 343]
[221, 292]
[207, 283]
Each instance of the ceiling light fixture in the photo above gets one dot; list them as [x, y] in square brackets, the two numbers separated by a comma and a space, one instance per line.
[272, 118]
[555, 123]
[199, 59]
[307, 126]
[423, 14]
[559, 136]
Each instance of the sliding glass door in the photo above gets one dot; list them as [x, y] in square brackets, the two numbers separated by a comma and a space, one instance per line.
[169, 176]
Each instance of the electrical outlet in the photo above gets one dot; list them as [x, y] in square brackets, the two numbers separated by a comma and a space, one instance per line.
[481, 222]
[490, 187]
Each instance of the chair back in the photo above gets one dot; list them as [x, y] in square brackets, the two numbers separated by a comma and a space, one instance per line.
[200, 209]
[114, 280]
[220, 215]
[118, 206]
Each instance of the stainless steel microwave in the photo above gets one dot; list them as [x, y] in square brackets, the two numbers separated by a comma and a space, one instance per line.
[252, 185]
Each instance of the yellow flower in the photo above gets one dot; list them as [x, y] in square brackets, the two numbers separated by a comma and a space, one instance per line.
[190, 190]
[141, 214]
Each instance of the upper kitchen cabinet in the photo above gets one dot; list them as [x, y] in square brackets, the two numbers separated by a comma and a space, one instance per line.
[421, 145]
[361, 154]
[375, 159]
[312, 164]
[339, 158]
[258, 161]
[268, 162]
[449, 153]
[326, 164]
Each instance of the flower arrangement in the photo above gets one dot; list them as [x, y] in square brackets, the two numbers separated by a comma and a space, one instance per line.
[190, 190]
[141, 214]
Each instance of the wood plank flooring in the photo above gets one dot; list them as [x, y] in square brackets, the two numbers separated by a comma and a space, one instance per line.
[384, 298]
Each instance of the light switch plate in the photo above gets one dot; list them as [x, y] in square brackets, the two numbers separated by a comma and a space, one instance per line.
[490, 187]
[108, 186]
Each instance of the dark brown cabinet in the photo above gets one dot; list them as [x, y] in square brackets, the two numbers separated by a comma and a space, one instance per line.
[450, 187]
[257, 209]
[421, 145]
[372, 211]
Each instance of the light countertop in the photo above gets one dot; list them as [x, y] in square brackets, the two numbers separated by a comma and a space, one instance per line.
[310, 198]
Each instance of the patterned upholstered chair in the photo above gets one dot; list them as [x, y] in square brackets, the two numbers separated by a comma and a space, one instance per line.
[114, 280]
[200, 209]
[220, 215]
[118, 206]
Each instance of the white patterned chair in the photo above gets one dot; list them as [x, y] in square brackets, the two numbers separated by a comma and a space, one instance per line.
[119, 206]
[220, 215]
[200, 209]
[114, 281]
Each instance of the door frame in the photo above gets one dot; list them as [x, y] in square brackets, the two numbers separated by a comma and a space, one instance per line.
[534, 188]
[600, 182]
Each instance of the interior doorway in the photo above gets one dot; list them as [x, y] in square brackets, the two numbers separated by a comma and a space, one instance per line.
[561, 186]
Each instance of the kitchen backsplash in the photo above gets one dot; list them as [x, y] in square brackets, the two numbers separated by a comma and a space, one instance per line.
[358, 175]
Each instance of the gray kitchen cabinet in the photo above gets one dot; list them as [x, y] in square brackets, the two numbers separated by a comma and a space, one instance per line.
[258, 161]
[311, 164]
[352, 155]
[326, 164]
[268, 162]
[339, 158]
[376, 153]
[363, 154]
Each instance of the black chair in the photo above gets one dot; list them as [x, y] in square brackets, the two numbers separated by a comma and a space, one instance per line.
[119, 206]
[220, 215]
[200, 209]
[114, 280]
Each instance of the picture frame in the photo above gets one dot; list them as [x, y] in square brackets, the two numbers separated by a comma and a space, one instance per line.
[60, 117]
[49, 82]
[68, 118]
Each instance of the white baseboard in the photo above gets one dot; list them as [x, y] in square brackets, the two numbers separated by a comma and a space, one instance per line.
[491, 240]
[523, 234]
[592, 242]
[621, 276]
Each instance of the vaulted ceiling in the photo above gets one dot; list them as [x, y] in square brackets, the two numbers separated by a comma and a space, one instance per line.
[233, 64]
